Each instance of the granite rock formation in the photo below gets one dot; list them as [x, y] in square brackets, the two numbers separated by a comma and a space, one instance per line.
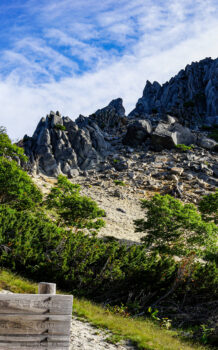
[60, 145]
[192, 95]
[164, 117]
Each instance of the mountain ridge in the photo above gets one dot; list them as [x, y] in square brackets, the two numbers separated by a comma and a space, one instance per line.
[191, 95]
[168, 115]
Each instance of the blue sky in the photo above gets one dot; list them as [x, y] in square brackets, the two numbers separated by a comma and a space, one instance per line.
[77, 55]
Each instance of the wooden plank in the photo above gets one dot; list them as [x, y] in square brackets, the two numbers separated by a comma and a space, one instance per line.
[33, 338]
[34, 341]
[36, 346]
[36, 304]
[34, 324]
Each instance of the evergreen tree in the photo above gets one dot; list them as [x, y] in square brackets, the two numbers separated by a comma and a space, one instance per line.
[73, 209]
[9, 150]
[175, 228]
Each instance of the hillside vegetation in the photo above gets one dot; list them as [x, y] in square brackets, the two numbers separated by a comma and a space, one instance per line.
[54, 238]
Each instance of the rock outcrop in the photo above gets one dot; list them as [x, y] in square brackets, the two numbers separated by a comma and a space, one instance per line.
[107, 118]
[192, 95]
[60, 145]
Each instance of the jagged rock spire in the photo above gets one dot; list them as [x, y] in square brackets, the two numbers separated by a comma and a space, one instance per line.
[192, 95]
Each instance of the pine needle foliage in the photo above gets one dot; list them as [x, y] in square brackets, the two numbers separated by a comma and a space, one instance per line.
[7, 149]
[175, 228]
[74, 210]
[209, 207]
[16, 187]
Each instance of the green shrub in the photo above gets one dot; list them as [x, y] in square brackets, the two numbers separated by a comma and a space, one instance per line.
[16, 187]
[32, 243]
[7, 149]
[60, 127]
[184, 148]
[119, 183]
[209, 207]
[29, 241]
[175, 228]
[205, 279]
[73, 209]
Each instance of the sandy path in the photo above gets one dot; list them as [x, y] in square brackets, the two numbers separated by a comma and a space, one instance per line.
[86, 337]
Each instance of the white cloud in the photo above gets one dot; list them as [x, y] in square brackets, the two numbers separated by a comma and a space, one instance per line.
[46, 60]
[77, 48]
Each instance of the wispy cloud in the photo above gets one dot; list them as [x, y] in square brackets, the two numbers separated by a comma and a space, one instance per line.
[76, 56]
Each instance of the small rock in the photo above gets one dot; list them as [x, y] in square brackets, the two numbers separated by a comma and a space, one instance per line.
[177, 171]
[121, 210]
[131, 175]
[117, 193]
[73, 173]
[120, 166]
[151, 183]
[188, 176]
[175, 178]
[141, 191]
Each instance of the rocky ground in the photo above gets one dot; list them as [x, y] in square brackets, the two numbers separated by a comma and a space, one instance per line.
[84, 336]
[186, 175]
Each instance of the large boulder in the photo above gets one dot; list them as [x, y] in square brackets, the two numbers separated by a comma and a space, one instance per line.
[137, 132]
[168, 135]
[183, 134]
[163, 138]
[207, 143]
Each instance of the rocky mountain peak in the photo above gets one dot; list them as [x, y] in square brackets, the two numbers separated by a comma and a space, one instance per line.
[109, 117]
[60, 145]
[117, 104]
[191, 96]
